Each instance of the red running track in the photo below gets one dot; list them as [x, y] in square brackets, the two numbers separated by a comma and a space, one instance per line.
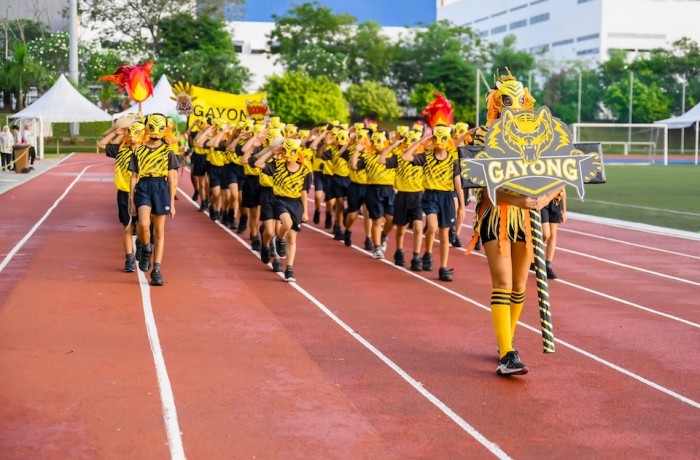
[358, 359]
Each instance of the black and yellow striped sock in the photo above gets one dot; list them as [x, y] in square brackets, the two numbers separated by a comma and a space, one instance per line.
[517, 299]
[500, 315]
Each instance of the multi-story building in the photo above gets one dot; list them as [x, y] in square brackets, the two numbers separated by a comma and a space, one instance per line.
[568, 30]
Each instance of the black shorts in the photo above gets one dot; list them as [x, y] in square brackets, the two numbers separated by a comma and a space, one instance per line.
[486, 233]
[154, 193]
[199, 164]
[357, 195]
[291, 206]
[328, 187]
[318, 181]
[340, 186]
[219, 176]
[442, 204]
[552, 213]
[380, 201]
[407, 208]
[267, 204]
[233, 170]
[251, 192]
[123, 208]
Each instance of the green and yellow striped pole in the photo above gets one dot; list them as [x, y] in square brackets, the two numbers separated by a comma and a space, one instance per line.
[542, 286]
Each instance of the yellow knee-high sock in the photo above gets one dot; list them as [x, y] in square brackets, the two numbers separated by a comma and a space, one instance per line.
[517, 299]
[500, 315]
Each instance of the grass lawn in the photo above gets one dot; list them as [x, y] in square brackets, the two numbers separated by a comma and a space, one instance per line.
[666, 196]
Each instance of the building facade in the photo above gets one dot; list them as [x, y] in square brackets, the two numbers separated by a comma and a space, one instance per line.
[583, 30]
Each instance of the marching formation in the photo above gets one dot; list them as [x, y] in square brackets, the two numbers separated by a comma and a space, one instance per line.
[255, 176]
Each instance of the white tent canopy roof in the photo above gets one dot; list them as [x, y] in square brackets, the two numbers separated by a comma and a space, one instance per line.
[689, 118]
[159, 102]
[63, 104]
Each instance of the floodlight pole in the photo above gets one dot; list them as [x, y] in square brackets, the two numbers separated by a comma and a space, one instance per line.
[683, 111]
[629, 129]
[580, 81]
[73, 54]
[478, 91]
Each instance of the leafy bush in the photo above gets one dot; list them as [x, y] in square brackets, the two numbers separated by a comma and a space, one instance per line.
[370, 99]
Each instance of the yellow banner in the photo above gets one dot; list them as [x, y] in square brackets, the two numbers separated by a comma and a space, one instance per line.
[208, 103]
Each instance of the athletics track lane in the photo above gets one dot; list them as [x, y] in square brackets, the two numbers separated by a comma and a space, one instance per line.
[267, 379]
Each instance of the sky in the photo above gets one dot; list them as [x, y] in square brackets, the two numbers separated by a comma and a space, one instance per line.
[389, 13]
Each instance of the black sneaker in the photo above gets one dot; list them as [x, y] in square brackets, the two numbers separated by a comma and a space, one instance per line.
[338, 233]
[280, 247]
[276, 266]
[427, 262]
[212, 212]
[317, 216]
[346, 238]
[255, 244]
[445, 274]
[329, 220]
[156, 278]
[550, 274]
[137, 254]
[265, 254]
[456, 242]
[416, 264]
[202, 206]
[289, 274]
[145, 259]
[369, 246]
[129, 266]
[195, 197]
[477, 246]
[510, 365]
[398, 258]
[243, 223]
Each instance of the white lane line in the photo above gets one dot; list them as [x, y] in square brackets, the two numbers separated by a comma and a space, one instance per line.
[31, 232]
[490, 446]
[630, 267]
[645, 228]
[565, 344]
[636, 245]
[32, 175]
[172, 427]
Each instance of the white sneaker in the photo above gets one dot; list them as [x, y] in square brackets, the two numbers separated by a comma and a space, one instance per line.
[378, 253]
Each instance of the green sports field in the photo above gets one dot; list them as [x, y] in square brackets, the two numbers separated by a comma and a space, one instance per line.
[666, 196]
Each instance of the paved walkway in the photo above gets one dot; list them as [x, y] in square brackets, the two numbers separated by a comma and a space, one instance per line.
[11, 179]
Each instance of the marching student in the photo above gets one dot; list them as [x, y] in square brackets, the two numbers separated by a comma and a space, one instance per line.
[120, 144]
[441, 178]
[292, 180]
[357, 190]
[153, 186]
[552, 215]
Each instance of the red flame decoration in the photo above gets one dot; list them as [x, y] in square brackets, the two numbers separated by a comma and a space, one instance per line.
[134, 78]
[438, 112]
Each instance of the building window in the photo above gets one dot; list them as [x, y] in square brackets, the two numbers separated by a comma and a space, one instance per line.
[629, 35]
[588, 52]
[584, 1]
[519, 7]
[485, 18]
[537, 1]
[539, 49]
[563, 42]
[539, 18]
[499, 29]
[500, 13]
[483, 33]
[518, 24]
[587, 37]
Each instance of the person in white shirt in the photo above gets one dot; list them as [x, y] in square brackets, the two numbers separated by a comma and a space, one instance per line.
[30, 139]
[6, 141]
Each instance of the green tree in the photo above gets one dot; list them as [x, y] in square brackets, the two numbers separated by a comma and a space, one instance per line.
[457, 83]
[210, 70]
[371, 99]
[369, 54]
[560, 94]
[304, 100]
[311, 37]
[19, 72]
[648, 102]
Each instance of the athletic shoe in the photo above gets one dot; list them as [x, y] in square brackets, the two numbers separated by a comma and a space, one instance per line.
[337, 233]
[416, 264]
[195, 197]
[378, 253]
[445, 274]
[145, 260]
[265, 254]
[156, 278]
[398, 258]
[329, 220]
[289, 274]
[243, 223]
[510, 365]
[137, 255]
[255, 244]
[427, 262]
[129, 266]
[202, 206]
[212, 212]
[276, 265]
[383, 242]
[369, 246]
[532, 267]
[477, 246]
[280, 247]
[550, 274]
[317, 216]
[346, 238]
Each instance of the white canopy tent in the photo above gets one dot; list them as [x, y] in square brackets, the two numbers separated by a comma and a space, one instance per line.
[159, 102]
[689, 118]
[62, 103]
